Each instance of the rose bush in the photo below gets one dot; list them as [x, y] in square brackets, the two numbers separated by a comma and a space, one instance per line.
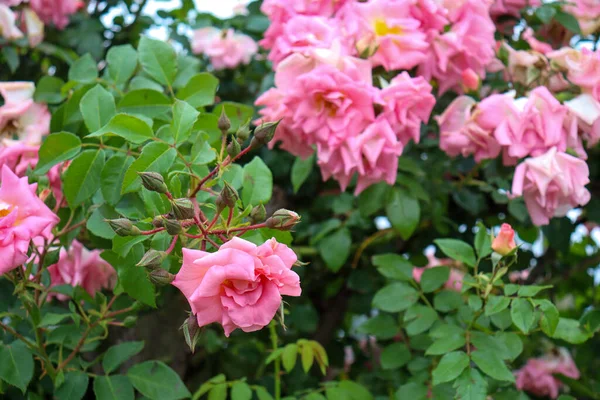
[309, 200]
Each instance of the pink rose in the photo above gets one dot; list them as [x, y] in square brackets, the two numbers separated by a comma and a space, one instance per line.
[504, 243]
[518, 276]
[387, 31]
[536, 45]
[8, 27]
[537, 376]
[407, 103]
[56, 11]
[587, 13]
[225, 49]
[34, 27]
[23, 217]
[541, 123]
[79, 266]
[20, 116]
[551, 185]
[586, 109]
[582, 67]
[239, 286]
[511, 7]
[466, 128]
[526, 66]
[455, 279]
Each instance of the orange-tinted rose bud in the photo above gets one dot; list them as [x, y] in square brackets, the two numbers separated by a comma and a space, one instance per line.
[504, 243]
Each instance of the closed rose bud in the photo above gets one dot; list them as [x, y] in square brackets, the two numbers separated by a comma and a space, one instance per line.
[243, 133]
[172, 226]
[229, 196]
[153, 181]
[258, 214]
[265, 132]
[182, 208]
[223, 124]
[157, 222]
[504, 243]
[191, 331]
[283, 220]
[233, 148]
[152, 259]
[123, 227]
[161, 277]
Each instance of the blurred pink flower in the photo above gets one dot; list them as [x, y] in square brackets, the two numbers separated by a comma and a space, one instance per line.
[586, 109]
[56, 11]
[536, 45]
[240, 285]
[23, 217]
[511, 7]
[551, 184]
[537, 376]
[33, 26]
[8, 27]
[587, 13]
[20, 116]
[79, 266]
[455, 279]
[225, 49]
[582, 67]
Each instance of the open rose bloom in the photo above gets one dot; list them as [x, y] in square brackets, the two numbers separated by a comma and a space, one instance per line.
[225, 49]
[240, 285]
[537, 376]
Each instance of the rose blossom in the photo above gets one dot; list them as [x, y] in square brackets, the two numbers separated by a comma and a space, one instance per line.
[240, 285]
[587, 13]
[23, 217]
[537, 376]
[79, 266]
[587, 111]
[455, 279]
[8, 27]
[504, 243]
[225, 49]
[536, 45]
[56, 11]
[541, 123]
[466, 128]
[20, 116]
[511, 7]
[551, 184]
[34, 27]
[582, 67]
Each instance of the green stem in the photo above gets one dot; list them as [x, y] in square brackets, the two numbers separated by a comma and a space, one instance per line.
[273, 329]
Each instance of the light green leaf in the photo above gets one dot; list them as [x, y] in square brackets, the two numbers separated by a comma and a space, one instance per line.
[262, 393]
[550, 316]
[146, 102]
[301, 169]
[114, 387]
[446, 344]
[97, 108]
[483, 241]
[184, 118]
[82, 178]
[289, 356]
[421, 318]
[52, 319]
[457, 250]
[571, 331]
[200, 90]
[157, 381]
[57, 147]
[122, 62]
[447, 300]
[412, 391]
[434, 278]
[495, 304]
[129, 127]
[158, 59]
[241, 391]
[307, 357]
[522, 315]
[111, 178]
[403, 211]
[258, 183]
[395, 297]
[118, 354]
[84, 70]
[155, 157]
[134, 280]
[48, 90]
[395, 356]
[16, 367]
[491, 364]
[531, 290]
[450, 367]
[335, 249]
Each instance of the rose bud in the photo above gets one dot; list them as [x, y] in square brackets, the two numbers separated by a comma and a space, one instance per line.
[243, 133]
[172, 226]
[123, 227]
[152, 259]
[161, 277]
[283, 220]
[258, 214]
[223, 124]
[157, 222]
[153, 181]
[191, 331]
[183, 208]
[233, 148]
[227, 198]
[265, 132]
[504, 243]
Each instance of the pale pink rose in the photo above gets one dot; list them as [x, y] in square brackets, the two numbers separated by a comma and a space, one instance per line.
[8, 27]
[225, 49]
[56, 11]
[33, 26]
[469, 44]
[551, 184]
[587, 13]
[302, 34]
[240, 285]
[582, 67]
[536, 45]
[504, 243]
[518, 276]
[20, 116]
[511, 7]
[407, 103]
[387, 32]
[430, 13]
[587, 111]
[467, 128]
[11, 3]
[79, 266]
[455, 279]
[537, 376]
[526, 66]
[23, 217]
[240, 9]
[540, 124]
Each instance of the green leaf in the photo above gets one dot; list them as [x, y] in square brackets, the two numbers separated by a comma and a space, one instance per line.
[369, 200]
[74, 387]
[200, 90]
[549, 318]
[335, 249]
[147, 102]
[403, 211]
[241, 391]
[571, 331]
[184, 118]
[82, 178]
[158, 59]
[495, 304]
[122, 62]
[393, 266]
[289, 356]
[16, 367]
[120, 353]
[483, 241]
[301, 170]
[395, 297]
[258, 183]
[446, 344]
[157, 381]
[52, 319]
[57, 147]
[545, 13]
[97, 108]
[510, 289]
[512, 342]
[434, 278]
[114, 387]
[457, 250]
[531, 290]
[381, 326]
[134, 280]
[129, 127]
[421, 318]
[354, 391]
[450, 367]
[491, 364]
[471, 386]
[412, 391]
[568, 21]
[155, 157]
[262, 393]
[522, 315]
[307, 357]
[395, 356]
[84, 70]
[447, 300]
[48, 90]
[111, 178]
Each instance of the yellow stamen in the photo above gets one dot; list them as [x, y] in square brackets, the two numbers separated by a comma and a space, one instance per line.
[382, 28]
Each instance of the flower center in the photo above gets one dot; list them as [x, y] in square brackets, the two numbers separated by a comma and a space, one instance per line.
[323, 104]
[5, 209]
[381, 28]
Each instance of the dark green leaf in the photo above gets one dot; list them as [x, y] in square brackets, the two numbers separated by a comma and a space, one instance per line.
[434, 278]
[158, 59]
[335, 249]
[450, 367]
[393, 266]
[58, 147]
[568, 21]
[258, 183]
[120, 353]
[84, 70]
[146, 102]
[97, 108]
[301, 170]
[457, 250]
[522, 315]
[395, 297]
[157, 381]
[491, 364]
[74, 387]
[403, 211]
[395, 356]
[16, 367]
[129, 127]
[114, 387]
[82, 178]
[111, 178]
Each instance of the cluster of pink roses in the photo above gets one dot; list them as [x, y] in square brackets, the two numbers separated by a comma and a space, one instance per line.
[224, 48]
[240, 285]
[537, 376]
[31, 17]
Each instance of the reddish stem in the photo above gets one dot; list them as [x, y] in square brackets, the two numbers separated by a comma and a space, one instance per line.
[172, 246]
[230, 216]
[152, 232]
[240, 229]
